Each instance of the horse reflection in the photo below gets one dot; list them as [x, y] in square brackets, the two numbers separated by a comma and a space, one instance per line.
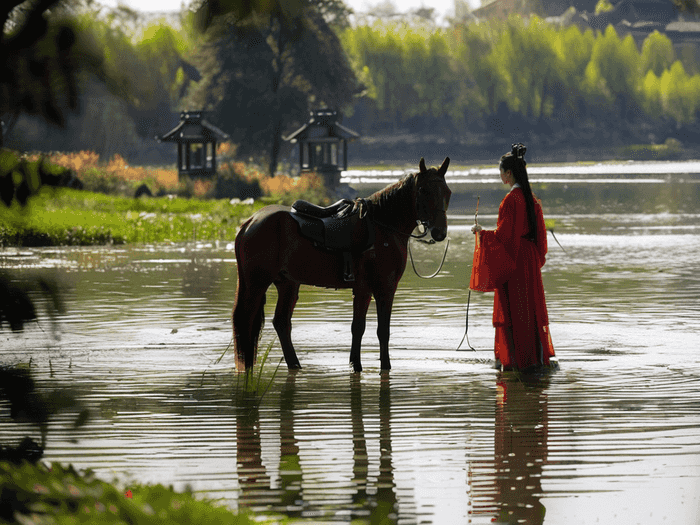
[254, 482]
[291, 475]
[252, 475]
[520, 452]
[372, 498]
[381, 504]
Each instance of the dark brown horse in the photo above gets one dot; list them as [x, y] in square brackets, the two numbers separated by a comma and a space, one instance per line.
[270, 249]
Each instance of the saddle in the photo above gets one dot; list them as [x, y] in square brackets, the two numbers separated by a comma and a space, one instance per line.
[332, 228]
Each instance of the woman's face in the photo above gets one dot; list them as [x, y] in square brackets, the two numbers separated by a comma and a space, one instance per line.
[507, 176]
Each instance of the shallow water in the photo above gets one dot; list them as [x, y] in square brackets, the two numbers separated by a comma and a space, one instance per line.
[613, 437]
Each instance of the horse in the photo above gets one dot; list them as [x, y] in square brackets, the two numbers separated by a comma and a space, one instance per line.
[270, 250]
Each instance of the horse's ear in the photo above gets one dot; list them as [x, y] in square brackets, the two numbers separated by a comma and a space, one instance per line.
[443, 168]
[421, 165]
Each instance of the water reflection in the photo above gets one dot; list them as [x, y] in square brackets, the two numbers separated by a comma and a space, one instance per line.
[520, 445]
[291, 475]
[201, 277]
[372, 497]
[619, 422]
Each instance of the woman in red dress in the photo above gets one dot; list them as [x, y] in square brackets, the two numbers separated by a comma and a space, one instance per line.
[512, 257]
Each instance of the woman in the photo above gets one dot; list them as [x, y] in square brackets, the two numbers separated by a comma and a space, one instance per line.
[512, 256]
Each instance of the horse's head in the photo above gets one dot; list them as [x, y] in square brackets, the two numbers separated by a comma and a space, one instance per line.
[433, 198]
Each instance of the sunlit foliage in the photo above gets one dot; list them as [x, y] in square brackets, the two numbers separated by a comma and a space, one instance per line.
[524, 67]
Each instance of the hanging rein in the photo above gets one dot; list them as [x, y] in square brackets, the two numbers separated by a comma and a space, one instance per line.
[419, 237]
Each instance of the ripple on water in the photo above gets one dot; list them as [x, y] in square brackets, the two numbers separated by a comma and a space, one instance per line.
[611, 438]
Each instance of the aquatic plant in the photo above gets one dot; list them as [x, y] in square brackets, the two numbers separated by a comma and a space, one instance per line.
[251, 389]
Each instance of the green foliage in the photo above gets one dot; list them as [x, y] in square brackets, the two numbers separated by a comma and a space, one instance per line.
[20, 177]
[657, 53]
[603, 6]
[70, 217]
[156, 48]
[671, 149]
[40, 56]
[60, 494]
[263, 71]
[427, 77]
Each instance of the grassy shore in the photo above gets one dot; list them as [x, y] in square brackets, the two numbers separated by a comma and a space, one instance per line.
[59, 494]
[64, 217]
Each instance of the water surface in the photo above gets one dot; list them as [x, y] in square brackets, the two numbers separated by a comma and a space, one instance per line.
[613, 437]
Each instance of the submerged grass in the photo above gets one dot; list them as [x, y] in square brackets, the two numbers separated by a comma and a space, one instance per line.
[252, 388]
[66, 217]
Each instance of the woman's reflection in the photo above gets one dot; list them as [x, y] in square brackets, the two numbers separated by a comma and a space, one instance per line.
[520, 449]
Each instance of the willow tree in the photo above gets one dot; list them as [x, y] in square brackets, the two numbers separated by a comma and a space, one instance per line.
[264, 69]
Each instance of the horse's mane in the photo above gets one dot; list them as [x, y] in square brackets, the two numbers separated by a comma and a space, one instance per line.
[394, 201]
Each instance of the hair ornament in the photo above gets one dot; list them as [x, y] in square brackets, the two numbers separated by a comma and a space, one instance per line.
[518, 151]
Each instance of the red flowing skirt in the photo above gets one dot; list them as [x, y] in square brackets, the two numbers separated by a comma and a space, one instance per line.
[520, 314]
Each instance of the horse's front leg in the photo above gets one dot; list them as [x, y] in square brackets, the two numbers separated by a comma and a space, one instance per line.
[360, 305]
[384, 306]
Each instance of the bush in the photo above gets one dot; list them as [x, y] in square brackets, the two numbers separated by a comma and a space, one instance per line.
[671, 149]
[309, 186]
[58, 494]
[235, 179]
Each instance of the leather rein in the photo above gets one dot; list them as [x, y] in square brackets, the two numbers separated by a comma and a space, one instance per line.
[420, 236]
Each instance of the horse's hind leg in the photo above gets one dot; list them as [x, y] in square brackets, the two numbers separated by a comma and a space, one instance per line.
[288, 293]
[248, 319]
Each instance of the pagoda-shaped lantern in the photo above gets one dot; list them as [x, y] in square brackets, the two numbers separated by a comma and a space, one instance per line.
[323, 145]
[196, 144]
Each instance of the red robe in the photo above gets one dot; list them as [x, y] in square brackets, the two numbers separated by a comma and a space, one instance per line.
[510, 265]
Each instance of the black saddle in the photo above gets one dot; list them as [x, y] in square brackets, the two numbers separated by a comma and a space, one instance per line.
[339, 208]
[333, 228]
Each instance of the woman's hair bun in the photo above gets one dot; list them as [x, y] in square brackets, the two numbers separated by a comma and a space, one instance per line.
[518, 150]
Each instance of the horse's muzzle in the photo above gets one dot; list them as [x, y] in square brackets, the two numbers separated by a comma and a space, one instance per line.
[438, 234]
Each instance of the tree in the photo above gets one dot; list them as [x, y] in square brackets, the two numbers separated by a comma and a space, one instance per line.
[263, 70]
[657, 54]
[39, 61]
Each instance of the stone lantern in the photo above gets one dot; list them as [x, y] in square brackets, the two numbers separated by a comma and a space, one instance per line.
[323, 145]
[196, 145]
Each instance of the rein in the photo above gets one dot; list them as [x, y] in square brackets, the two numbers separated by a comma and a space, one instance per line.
[420, 236]
[444, 256]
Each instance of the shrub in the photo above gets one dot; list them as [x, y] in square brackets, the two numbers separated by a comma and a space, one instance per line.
[286, 190]
[235, 179]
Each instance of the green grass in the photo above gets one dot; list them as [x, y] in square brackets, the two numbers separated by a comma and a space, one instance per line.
[62, 495]
[78, 218]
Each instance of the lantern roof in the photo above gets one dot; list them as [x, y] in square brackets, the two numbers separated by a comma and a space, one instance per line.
[323, 126]
[193, 128]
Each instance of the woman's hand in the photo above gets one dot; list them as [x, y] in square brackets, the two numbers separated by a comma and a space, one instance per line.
[476, 229]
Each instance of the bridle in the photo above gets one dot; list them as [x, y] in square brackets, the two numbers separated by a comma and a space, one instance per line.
[421, 209]
[425, 223]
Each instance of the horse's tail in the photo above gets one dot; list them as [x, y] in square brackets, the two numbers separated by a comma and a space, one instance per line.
[248, 316]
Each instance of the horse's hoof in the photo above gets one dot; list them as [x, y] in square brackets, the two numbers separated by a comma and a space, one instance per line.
[294, 366]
